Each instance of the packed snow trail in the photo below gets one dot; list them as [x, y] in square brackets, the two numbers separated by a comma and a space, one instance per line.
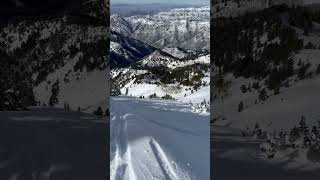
[158, 140]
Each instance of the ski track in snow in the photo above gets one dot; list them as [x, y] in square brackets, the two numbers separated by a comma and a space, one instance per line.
[143, 148]
[122, 156]
[165, 166]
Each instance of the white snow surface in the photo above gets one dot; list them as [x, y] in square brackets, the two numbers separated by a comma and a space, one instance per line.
[158, 139]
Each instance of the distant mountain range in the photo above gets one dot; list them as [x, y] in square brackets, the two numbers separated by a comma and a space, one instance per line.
[187, 28]
[126, 9]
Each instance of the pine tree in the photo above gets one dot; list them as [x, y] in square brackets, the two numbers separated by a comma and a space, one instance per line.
[263, 95]
[54, 93]
[127, 91]
[318, 69]
[98, 112]
[243, 88]
[276, 90]
[290, 67]
[107, 112]
[240, 106]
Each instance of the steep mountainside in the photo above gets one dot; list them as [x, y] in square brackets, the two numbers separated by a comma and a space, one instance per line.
[277, 50]
[125, 50]
[265, 91]
[57, 58]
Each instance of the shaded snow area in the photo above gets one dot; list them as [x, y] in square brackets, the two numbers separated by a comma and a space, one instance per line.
[158, 139]
[51, 143]
[235, 156]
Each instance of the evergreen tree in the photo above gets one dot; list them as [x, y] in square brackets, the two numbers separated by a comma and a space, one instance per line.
[240, 106]
[98, 112]
[107, 112]
[318, 69]
[263, 95]
[54, 93]
[243, 88]
[127, 91]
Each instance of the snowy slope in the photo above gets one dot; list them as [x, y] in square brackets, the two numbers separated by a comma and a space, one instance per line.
[282, 111]
[60, 49]
[68, 49]
[146, 79]
[158, 139]
[253, 122]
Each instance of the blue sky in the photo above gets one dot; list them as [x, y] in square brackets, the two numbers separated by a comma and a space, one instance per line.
[162, 1]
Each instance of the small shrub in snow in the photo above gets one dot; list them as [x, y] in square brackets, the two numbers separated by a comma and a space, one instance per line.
[153, 96]
[243, 88]
[167, 96]
[263, 95]
[240, 107]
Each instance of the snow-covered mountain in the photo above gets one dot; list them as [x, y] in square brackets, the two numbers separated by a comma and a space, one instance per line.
[58, 57]
[178, 65]
[187, 28]
[266, 68]
[264, 90]
[161, 75]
